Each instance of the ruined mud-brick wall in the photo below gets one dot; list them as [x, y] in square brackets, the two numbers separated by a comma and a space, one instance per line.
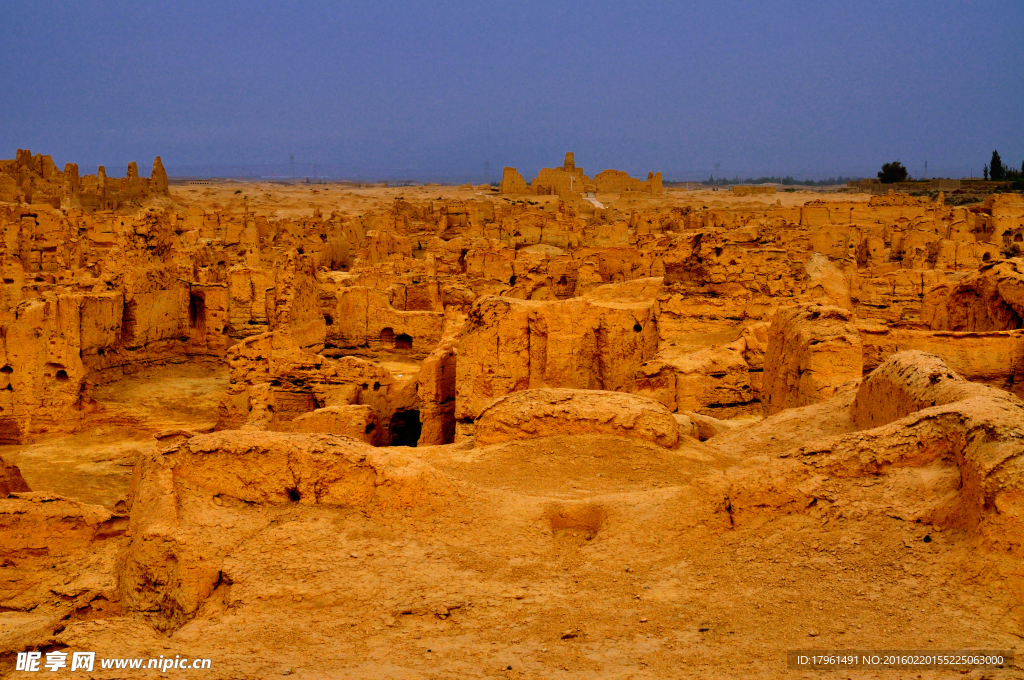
[883, 243]
[404, 315]
[87, 297]
[570, 180]
[510, 345]
[726, 273]
[752, 190]
[731, 275]
[36, 180]
[513, 183]
[891, 249]
[559, 181]
[724, 268]
[617, 181]
[30, 179]
[994, 358]
[275, 384]
[94, 295]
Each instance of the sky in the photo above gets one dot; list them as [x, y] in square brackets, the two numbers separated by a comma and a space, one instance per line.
[435, 90]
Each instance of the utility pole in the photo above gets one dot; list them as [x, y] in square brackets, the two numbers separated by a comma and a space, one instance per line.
[926, 169]
[291, 167]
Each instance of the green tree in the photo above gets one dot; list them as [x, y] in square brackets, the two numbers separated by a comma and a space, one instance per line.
[996, 170]
[893, 172]
[985, 172]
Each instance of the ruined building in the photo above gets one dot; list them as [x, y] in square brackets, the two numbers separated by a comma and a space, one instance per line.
[36, 180]
[569, 179]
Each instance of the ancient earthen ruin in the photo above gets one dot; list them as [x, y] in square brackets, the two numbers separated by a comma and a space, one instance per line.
[430, 431]
[36, 180]
[569, 181]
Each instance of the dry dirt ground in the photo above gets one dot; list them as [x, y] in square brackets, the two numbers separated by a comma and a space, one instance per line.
[570, 557]
[298, 200]
[94, 464]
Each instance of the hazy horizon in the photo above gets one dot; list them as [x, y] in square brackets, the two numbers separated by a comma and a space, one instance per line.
[369, 90]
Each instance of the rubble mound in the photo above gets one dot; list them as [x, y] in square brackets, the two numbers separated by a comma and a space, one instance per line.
[549, 412]
[192, 503]
[991, 299]
[269, 467]
[352, 420]
[34, 524]
[11, 480]
[944, 452]
[908, 382]
[57, 556]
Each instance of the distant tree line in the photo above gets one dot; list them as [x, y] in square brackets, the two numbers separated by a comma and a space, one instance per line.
[996, 171]
[787, 181]
[889, 174]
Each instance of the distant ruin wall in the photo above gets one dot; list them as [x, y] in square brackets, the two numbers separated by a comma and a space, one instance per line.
[511, 183]
[751, 190]
[36, 180]
[617, 181]
[569, 179]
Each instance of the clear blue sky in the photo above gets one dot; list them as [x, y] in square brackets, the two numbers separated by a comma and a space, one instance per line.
[440, 88]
